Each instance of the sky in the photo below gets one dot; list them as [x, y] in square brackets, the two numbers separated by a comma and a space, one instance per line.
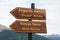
[52, 8]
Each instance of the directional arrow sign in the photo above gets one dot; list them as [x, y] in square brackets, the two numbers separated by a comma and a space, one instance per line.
[27, 13]
[29, 26]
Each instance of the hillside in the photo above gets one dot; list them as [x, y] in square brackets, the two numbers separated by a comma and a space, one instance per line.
[8, 34]
[2, 27]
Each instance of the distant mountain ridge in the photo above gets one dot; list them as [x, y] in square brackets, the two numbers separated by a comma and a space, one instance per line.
[52, 35]
[2, 27]
[8, 34]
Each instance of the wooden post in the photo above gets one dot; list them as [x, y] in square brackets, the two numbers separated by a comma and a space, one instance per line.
[30, 34]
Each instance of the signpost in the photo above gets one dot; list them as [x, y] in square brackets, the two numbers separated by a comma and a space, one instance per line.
[26, 13]
[29, 26]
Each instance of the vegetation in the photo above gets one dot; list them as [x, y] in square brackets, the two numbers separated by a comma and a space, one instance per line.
[11, 35]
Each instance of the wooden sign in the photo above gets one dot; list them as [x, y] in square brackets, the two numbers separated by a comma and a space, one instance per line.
[29, 26]
[27, 13]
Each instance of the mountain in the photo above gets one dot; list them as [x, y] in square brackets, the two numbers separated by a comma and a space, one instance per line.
[8, 34]
[2, 27]
[53, 36]
[11, 35]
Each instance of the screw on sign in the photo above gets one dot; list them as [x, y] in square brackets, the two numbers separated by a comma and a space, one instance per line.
[26, 13]
[29, 26]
